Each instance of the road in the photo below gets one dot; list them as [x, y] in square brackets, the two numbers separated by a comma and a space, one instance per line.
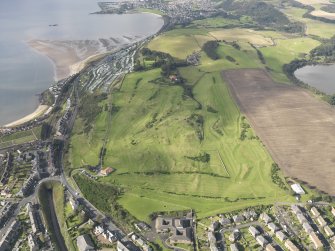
[97, 215]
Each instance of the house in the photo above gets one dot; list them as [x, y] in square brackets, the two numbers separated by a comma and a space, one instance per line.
[296, 209]
[316, 241]
[290, 246]
[106, 171]
[183, 236]
[224, 221]
[321, 221]
[212, 241]
[315, 212]
[181, 228]
[266, 218]
[98, 230]
[253, 231]
[126, 246]
[329, 231]
[84, 243]
[234, 235]
[238, 218]
[307, 227]
[273, 227]
[214, 226]
[249, 214]
[297, 189]
[269, 247]
[261, 241]
[111, 236]
[281, 236]
[301, 218]
[333, 211]
[163, 225]
[74, 203]
[32, 243]
[234, 247]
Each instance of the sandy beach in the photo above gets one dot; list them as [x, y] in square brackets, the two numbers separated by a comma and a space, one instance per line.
[62, 56]
[41, 109]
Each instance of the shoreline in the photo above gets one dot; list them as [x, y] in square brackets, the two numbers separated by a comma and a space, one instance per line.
[40, 110]
[64, 65]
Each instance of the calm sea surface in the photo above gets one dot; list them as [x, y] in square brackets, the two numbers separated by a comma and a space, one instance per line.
[322, 77]
[25, 73]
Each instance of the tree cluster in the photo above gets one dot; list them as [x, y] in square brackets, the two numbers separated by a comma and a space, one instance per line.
[210, 48]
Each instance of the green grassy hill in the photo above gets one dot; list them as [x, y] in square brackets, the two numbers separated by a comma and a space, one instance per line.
[159, 131]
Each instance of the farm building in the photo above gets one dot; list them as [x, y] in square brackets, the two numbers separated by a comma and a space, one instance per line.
[106, 171]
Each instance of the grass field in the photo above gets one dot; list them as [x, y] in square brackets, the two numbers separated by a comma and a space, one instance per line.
[242, 35]
[284, 52]
[156, 134]
[313, 27]
[20, 137]
[151, 161]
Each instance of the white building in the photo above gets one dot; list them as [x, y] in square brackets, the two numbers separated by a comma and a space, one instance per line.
[297, 189]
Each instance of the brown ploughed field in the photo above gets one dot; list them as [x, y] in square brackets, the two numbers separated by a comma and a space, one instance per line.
[297, 128]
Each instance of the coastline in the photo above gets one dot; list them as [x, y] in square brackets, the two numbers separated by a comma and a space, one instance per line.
[41, 109]
[66, 62]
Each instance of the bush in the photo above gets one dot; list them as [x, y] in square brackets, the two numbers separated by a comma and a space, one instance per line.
[210, 48]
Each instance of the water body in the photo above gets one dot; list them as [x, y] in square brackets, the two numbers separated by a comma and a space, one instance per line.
[24, 73]
[322, 77]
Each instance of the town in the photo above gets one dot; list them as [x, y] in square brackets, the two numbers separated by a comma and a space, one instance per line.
[33, 177]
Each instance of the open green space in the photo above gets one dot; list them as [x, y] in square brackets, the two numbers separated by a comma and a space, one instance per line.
[20, 137]
[154, 138]
[313, 27]
[161, 130]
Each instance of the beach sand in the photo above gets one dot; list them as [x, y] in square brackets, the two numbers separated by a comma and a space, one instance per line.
[41, 109]
[66, 62]
[70, 57]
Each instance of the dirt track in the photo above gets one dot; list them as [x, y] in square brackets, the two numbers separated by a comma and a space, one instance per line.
[297, 129]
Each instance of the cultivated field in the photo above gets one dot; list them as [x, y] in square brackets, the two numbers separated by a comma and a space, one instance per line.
[312, 2]
[297, 129]
[242, 35]
[321, 13]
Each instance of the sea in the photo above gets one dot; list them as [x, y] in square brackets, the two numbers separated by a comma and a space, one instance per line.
[24, 73]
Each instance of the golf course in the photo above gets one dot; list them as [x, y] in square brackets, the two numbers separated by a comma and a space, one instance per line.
[175, 136]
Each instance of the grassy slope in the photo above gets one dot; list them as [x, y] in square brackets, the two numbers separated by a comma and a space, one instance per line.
[313, 27]
[284, 52]
[244, 178]
[164, 146]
